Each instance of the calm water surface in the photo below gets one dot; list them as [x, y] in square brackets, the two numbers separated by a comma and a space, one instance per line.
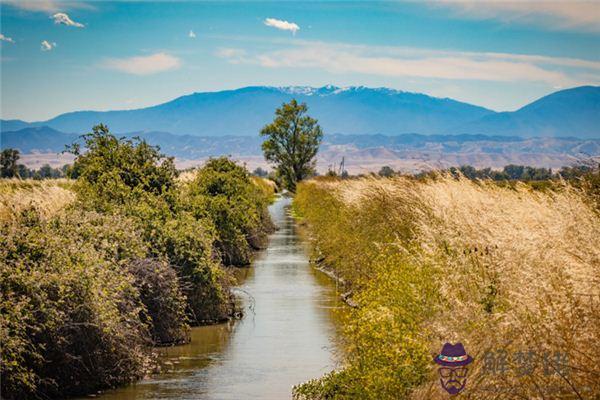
[286, 336]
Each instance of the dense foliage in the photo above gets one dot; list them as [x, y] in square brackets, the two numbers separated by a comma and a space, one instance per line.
[115, 172]
[8, 163]
[130, 261]
[521, 172]
[10, 168]
[293, 139]
[70, 311]
[226, 192]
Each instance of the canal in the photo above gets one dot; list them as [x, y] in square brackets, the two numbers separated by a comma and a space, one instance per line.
[286, 336]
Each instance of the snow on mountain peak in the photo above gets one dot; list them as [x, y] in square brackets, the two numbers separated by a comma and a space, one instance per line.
[332, 90]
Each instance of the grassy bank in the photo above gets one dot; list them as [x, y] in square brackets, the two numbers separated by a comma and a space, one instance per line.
[507, 271]
[95, 271]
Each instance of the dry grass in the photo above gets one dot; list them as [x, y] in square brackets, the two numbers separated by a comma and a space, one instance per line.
[534, 259]
[187, 176]
[518, 271]
[48, 196]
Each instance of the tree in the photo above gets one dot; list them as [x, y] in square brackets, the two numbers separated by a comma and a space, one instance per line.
[293, 139]
[468, 171]
[8, 163]
[260, 172]
[23, 171]
[48, 172]
[514, 171]
[386, 171]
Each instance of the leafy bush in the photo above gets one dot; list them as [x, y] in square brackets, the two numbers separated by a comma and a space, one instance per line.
[70, 312]
[117, 239]
[135, 179]
[160, 292]
[187, 243]
[224, 192]
[114, 172]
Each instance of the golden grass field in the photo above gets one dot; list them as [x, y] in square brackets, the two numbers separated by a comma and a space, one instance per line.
[505, 271]
[48, 196]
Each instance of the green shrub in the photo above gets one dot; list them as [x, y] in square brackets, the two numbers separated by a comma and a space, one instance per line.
[160, 292]
[134, 179]
[119, 240]
[386, 352]
[225, 192]
[187, 243]
[70, 312]
[114, 171]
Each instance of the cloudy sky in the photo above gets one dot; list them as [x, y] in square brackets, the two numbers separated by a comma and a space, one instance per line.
[59, 56]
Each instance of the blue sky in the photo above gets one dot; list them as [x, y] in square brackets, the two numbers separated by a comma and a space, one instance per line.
[60, 56]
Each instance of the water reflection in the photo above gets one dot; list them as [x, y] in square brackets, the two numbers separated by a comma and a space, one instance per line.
[286, 336]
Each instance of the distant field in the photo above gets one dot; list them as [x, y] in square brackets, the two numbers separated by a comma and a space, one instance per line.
[360, 161]
[37, 160]
[362, 153]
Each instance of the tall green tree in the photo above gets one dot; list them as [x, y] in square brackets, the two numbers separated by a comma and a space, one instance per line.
[8, 163]
[293, 139]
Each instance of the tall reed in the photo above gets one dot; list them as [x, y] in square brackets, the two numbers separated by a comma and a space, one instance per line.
[506, 271]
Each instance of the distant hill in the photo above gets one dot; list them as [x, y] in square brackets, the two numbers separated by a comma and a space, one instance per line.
[7, 125]
[572, 112]
[241, 112]
[41, 139]
[354, 110]
[47, 140]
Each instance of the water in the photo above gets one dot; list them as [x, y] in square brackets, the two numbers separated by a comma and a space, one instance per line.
[286, 336]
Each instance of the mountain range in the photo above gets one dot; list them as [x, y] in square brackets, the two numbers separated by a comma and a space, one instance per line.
[354, 110]
[368, 128]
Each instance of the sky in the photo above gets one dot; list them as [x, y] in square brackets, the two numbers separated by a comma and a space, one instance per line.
[62, 56]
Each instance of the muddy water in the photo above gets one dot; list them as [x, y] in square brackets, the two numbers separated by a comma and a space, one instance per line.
[286, 336]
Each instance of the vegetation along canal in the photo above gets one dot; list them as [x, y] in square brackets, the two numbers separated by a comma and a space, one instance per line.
[286, 336]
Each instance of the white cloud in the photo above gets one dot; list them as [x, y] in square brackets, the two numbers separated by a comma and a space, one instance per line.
[34, 5]
[47, 6]
[424, 63]
[64, 19]
[283, 25]
[233, 55]
[192, 34]
[144, 65]
[47, 46]
[6, 39]
[565, 14]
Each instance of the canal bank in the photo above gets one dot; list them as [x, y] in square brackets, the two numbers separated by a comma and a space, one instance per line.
[287, 335]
